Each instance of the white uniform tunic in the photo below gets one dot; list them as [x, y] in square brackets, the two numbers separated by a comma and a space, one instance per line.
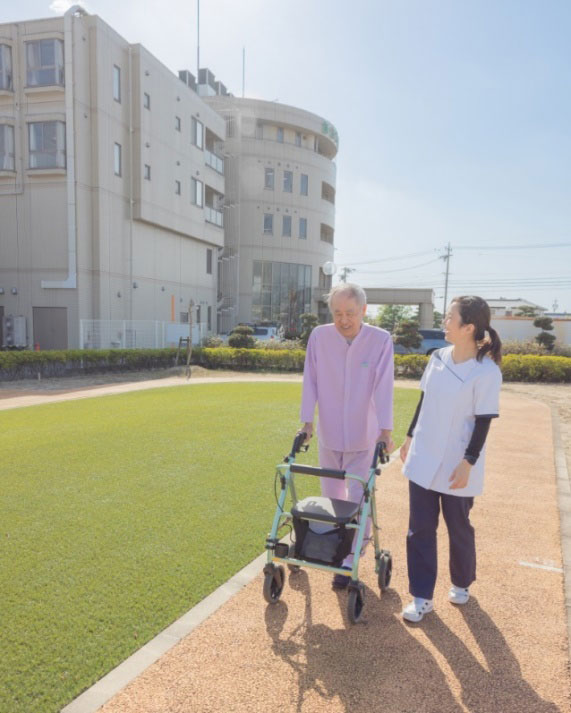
[454, 394]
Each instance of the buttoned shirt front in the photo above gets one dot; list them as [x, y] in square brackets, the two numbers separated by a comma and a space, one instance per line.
[352, 385]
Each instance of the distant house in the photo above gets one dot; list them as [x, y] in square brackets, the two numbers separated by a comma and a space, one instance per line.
[504, 307]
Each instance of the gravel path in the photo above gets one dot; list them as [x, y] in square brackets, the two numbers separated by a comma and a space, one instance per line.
[504, 652]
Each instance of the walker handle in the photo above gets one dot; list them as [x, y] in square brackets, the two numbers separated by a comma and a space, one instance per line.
[380, 453]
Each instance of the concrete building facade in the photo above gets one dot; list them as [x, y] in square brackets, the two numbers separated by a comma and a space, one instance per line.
[279, 211]
[111, 186]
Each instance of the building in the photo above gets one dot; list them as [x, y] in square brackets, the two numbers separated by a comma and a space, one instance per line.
[279, 210]
[505, 307]
[111, 189]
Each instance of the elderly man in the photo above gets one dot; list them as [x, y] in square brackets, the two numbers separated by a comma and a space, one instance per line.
[349, 374]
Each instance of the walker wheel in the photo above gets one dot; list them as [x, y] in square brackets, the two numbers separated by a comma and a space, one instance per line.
[293, 568]
[355, 603]
[385, 570]
[273, 583]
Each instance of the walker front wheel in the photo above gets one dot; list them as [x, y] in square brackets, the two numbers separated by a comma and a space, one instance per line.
[274, 578]
[355, 603]
[385, 570]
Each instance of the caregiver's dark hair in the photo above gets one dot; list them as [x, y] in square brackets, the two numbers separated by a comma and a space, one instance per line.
[474, 310]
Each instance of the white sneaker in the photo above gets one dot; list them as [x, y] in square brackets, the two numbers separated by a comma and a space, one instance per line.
[458, 595]
[417, 609]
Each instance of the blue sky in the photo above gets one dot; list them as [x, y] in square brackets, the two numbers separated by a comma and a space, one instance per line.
[454, 119]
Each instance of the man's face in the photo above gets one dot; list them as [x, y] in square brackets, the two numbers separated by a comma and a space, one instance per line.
[347, 315]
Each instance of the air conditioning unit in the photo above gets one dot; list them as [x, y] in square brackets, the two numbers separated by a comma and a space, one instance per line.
[14, 333]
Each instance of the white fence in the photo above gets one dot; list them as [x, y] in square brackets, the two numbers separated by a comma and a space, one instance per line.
[135, 333]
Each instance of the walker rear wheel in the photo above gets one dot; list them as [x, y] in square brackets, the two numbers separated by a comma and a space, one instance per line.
[355, 603]
[385, 570]
[273, 583]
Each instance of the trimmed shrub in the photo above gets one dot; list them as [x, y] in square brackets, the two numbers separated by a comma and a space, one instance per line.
[250, 359]
[241, 337]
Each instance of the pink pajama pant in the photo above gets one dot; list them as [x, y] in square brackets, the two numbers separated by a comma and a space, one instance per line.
[356, 463]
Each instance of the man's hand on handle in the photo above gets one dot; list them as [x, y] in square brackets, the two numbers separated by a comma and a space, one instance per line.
[307, 428]
[387, 437]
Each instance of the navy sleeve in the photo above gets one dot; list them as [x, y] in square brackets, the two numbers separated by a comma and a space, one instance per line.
[415, 417]
[478, 439]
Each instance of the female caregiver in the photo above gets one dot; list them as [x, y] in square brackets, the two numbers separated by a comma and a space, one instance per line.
[443, 453]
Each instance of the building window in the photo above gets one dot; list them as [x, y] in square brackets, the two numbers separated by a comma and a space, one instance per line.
[230, 127]
[177, 188]
[116, 83]
[288, 181]
[47, 144]
[209, 318]
[327, 233]
[196, 192]
[269, 179]
[45, 63]
[6, 147]
[177, 123]
[6, 68]
[286, 226]
[268, 224]
[198, 314]
[209, 261]
[147, 100]
[117, 159]
[259, 130]
[280, 135]
[147, 172]
[183, 317]
[303, 228]
[304, 185]
[281, 292]
[197, 136]
[298, 138]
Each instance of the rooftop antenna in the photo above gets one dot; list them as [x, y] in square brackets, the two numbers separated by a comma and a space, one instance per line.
[243, 71]
[197, 40]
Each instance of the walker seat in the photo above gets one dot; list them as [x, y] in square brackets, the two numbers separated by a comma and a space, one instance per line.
[338, 512]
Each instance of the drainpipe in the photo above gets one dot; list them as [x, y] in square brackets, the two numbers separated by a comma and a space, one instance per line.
[70, 281]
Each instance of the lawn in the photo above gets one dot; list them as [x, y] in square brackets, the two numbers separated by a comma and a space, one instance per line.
[119, 513]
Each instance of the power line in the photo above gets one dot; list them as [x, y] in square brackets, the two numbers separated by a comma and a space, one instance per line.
[391, 259]
[398, 269]
[536, 246]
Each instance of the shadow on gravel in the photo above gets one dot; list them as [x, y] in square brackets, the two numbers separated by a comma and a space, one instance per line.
[374, 666]
[500, 687]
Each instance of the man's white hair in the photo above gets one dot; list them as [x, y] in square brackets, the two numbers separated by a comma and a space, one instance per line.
[347, 289]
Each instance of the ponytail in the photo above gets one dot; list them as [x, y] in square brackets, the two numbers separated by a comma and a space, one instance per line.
[493, 345]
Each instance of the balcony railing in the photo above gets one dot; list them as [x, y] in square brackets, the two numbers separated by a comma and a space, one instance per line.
[214, 161]
[214, 216]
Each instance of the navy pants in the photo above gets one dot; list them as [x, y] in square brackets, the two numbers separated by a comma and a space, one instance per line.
[421, 539]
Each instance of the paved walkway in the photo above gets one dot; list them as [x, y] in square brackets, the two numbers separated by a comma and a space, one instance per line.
[506, 651]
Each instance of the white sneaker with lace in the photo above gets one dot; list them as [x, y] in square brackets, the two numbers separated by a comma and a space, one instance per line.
[458, 595]
[417, 609]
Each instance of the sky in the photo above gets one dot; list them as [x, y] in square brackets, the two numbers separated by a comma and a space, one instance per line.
[454, 120]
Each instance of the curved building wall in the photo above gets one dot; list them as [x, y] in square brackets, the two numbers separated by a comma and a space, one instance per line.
[279, 211]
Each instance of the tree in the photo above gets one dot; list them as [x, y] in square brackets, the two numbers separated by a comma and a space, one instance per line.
[407, 334]
[308, 323]
[389, 316]
[544, 338]
[438, 319]
[527, 311]
[242, 336]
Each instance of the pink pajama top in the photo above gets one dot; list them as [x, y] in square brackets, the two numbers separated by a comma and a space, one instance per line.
[352, 384]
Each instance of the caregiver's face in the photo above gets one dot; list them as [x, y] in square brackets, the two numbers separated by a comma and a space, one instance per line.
[347, 315]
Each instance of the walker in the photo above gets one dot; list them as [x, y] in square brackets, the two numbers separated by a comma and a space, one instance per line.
[324, 530]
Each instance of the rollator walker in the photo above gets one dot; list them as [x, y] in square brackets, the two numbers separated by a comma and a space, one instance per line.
[324, 529]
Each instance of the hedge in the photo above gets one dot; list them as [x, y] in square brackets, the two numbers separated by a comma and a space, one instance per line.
[27, 364]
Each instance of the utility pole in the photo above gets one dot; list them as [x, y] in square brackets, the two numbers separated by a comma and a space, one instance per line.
[447, 258]
[345, 272]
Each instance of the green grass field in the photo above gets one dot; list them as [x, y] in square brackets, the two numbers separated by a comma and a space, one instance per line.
[119, 513]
